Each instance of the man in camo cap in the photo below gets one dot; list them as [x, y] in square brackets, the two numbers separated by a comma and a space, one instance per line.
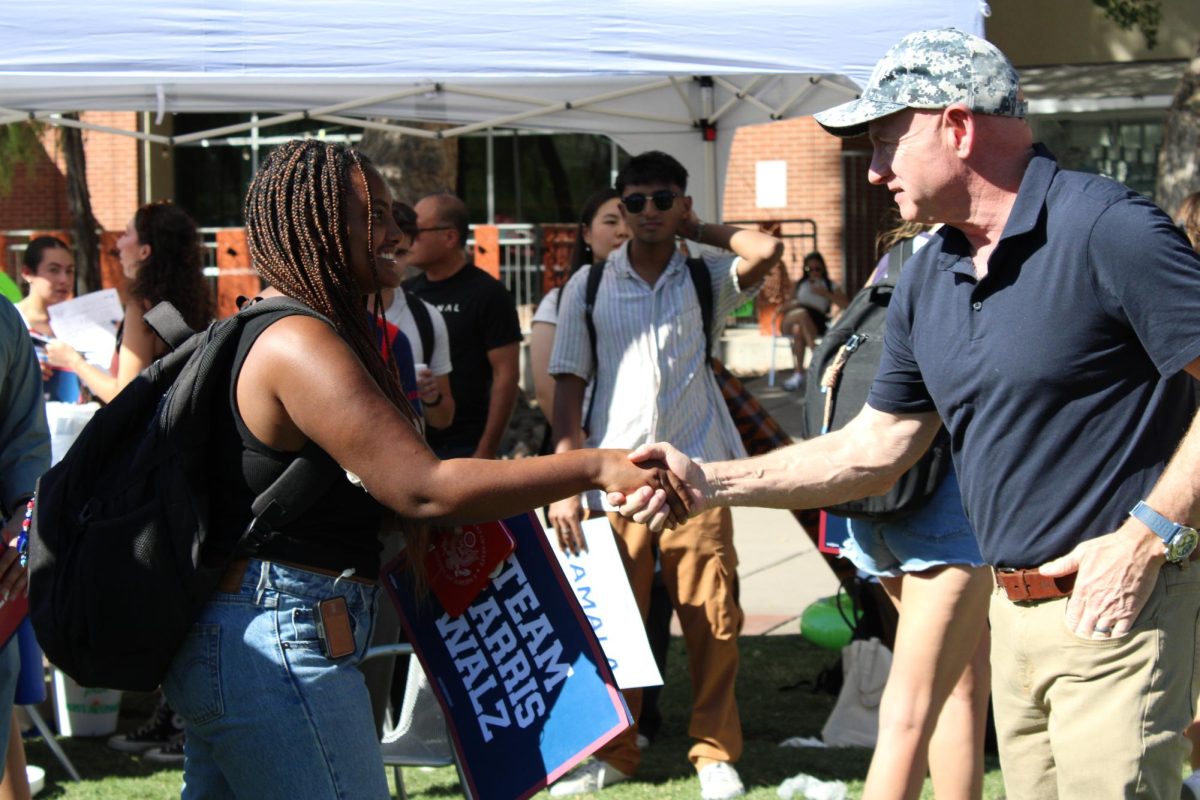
[1051, 326]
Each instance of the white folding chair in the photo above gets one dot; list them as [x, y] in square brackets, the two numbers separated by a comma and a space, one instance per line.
[419, 737]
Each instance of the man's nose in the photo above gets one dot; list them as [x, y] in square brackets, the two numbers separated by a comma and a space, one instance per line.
[879, 170]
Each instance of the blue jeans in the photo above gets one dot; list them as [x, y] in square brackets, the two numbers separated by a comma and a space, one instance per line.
[268, 715]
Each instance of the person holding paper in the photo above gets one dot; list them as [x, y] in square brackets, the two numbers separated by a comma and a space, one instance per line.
[160, 253]
[272, 707]
[49, 269]
[652, 378]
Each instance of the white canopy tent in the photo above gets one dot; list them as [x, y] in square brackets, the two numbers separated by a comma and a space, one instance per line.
[674, 75]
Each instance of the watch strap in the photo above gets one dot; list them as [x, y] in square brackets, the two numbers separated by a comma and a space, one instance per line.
[1163, 527]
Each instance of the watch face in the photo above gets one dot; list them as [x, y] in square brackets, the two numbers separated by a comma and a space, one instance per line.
[1182, 544]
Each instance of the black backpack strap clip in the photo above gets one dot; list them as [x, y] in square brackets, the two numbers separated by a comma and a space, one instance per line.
[166, 321]
[287, 499]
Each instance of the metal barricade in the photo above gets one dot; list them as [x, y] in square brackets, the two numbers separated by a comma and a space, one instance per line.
[521, 250]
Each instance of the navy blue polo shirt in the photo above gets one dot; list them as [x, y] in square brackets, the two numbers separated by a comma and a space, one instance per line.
[1058, 375]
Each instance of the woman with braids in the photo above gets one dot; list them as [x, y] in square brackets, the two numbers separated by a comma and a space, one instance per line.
[160, 255]
[268, 715]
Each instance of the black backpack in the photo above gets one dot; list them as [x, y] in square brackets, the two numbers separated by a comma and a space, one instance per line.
[839, 378]
[121, 554]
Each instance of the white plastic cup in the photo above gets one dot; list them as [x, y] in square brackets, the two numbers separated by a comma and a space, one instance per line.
[419, 368]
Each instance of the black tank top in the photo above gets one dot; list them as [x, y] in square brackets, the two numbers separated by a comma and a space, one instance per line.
[340, 530]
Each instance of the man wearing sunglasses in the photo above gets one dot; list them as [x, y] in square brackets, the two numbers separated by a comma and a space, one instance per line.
[485, 333]
[651, 379]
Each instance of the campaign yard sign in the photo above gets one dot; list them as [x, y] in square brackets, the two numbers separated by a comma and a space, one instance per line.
[524, 684]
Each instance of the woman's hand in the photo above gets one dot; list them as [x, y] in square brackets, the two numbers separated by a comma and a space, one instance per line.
[62, 355]
[662, 499]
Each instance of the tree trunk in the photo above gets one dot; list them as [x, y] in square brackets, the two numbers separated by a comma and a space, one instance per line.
[413, 166]
[79, 204]
[1179, 158]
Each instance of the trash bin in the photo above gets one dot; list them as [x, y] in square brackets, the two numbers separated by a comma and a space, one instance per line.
[84, 712]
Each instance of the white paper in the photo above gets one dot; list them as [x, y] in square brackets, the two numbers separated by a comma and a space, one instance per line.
[599, 581]
[89, 324]
[770, 184]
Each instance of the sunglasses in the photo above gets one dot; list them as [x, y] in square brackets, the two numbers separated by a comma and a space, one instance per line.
[636, 203]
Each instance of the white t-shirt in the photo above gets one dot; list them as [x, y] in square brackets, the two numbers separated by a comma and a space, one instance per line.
[547, 310]
[400, 315]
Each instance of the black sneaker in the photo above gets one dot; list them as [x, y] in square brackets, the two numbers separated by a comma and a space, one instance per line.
[157, 731]
[169, 753]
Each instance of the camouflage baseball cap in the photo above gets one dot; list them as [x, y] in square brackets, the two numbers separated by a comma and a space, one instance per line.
[932, 69]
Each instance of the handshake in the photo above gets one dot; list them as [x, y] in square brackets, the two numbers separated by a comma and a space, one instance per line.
[670, 489]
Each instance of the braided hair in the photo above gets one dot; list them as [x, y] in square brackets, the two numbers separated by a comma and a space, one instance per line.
[297, 232]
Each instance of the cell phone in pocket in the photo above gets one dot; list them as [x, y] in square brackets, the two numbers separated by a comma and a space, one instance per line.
[333, 627]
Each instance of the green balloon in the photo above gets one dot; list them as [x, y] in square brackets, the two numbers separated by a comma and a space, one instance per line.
[9, 288]
[823, 624]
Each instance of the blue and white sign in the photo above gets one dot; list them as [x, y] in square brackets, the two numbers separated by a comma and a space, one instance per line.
[524, 683]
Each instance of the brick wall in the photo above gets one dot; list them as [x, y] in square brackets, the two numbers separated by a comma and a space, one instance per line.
[814, 183]
[826, 182]
[39, 197]
[113, 168]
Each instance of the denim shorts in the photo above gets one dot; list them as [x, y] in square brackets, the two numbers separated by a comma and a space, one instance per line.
[267, 714]
[935, 536]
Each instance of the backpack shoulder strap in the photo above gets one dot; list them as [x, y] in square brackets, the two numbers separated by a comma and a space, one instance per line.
[166, 321]
[288, 497]
[702, 280]
[424, 324]
[900, 253]
[595, 273]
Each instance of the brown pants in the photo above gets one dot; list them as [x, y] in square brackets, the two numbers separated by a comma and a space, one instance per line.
[1096, 718]
[699, 565]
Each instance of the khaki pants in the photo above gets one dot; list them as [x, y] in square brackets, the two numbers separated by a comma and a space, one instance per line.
[699, 565]
[1096, 718]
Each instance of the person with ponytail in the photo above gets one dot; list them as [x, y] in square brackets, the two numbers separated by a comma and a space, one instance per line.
[267, 713]
[160, 254]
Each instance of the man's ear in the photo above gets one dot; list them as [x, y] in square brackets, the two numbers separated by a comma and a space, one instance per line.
[958, 124]
[687, 203]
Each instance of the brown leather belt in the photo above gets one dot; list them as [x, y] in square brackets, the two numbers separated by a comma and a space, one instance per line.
[231, 581]
[1022, 585]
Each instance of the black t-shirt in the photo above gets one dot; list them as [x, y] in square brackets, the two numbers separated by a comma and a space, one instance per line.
[1058, 375]
[480, 316]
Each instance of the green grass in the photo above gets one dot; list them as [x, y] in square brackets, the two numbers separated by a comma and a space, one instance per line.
[770, 714]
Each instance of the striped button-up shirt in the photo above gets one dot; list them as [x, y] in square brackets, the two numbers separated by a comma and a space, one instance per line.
[653, 382]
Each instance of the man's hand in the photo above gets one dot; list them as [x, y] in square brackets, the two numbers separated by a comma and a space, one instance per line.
[13, 580]
[685, 477]
[566, 515]
[689, 227]
[427, 388]
[1116, 573]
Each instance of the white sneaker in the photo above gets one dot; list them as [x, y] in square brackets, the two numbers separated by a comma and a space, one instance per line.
[795, 382]
[591, 776]
[1191, 786]
[720, 781]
